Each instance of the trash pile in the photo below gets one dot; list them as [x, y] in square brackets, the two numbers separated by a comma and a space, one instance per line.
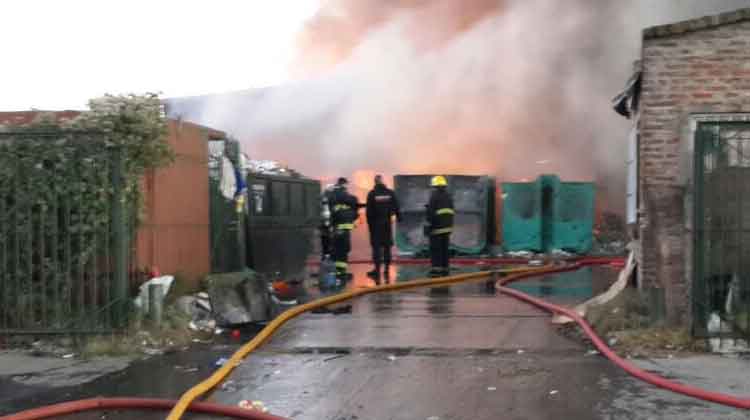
[267, 167]
[198, 308]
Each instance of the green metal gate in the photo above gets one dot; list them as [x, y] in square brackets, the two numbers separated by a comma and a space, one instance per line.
[721, 282]
[63, 233]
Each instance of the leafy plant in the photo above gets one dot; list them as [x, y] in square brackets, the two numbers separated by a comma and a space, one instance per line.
[56, 196]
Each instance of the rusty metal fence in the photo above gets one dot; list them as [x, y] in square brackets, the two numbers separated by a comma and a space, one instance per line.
[721, 282]
[64, 233]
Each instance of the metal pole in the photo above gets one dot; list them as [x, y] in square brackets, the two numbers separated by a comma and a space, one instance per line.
[119, 236]
[155, 300]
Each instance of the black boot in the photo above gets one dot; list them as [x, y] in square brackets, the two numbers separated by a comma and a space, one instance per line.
[374, 274]
[387, 273]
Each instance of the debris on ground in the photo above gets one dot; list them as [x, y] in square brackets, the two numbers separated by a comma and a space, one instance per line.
[229, 386]
[205, 325]
[141, 301]
[554, 392]
[536, 263]
[559, 253]
[254, 405]
[521, 254]
[152, 351]
[392, 358]
[238, 298]
[221, 361]
[491, 388]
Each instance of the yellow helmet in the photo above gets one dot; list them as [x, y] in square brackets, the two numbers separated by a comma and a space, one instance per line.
[438, 181]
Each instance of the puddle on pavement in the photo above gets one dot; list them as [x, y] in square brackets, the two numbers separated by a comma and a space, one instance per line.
[568, 288]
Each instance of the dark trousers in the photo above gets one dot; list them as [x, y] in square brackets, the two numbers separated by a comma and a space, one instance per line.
[440, 251]
[326, 244]
[342, 244]
[381, 254]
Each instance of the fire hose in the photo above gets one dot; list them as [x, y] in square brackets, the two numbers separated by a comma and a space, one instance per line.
[187, 401]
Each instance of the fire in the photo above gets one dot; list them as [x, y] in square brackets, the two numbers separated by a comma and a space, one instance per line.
[361, 183]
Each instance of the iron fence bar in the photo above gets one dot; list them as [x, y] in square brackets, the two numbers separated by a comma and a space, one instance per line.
[107, 239]
[120, 232]
[17, 242]
[723, 233]
[68, 254]
[55, 250]
[699, 284]
[29, 252]
[42, 271]
[5, 237]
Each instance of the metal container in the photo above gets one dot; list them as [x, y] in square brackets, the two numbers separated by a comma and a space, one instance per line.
[282, 221]
[474, 222]
[548, 215]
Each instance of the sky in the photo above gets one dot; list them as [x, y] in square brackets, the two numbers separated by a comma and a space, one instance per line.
[58, 54]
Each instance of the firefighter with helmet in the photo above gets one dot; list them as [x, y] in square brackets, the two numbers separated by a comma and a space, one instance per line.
[344, 212]
[439, 225]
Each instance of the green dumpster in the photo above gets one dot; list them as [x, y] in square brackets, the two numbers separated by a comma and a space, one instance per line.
[548, 215]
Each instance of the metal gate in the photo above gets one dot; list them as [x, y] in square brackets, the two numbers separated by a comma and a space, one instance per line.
[721, 283]
[63, 233]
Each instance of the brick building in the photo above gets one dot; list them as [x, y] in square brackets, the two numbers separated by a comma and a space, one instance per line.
[690, 177]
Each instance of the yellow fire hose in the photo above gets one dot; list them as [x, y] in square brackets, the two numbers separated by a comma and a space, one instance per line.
[221, 374]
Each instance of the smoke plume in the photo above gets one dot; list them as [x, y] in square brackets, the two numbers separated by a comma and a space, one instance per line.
[510, 88]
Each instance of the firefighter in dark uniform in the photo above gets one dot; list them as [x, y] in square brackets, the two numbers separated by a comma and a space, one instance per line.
[382, 206]
[439, 226]
[344, 208]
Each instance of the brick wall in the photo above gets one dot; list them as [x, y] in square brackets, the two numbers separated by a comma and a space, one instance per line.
[697, 67]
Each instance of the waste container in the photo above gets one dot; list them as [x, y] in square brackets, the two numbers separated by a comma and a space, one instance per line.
[474, 222]
[282, 223]
[547, 215]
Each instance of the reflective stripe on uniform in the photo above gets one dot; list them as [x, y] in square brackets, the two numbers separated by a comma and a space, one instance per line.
[339, 207]
[446, 210]
[345, 226]
[341, 264]
[442, 231]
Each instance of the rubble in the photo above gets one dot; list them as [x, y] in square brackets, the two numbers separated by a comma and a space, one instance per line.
[238, 298]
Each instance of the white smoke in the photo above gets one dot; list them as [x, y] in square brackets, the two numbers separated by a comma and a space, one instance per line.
[527, 81]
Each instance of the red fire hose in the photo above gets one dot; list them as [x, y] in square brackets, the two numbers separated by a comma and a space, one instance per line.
[203, 407]
[136, 404]
[462, 261]
[628, 367]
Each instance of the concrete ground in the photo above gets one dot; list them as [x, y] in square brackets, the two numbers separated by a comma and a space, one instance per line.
[465, 354]
[24, 377]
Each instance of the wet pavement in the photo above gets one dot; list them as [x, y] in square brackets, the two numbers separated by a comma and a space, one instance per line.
[464, 353]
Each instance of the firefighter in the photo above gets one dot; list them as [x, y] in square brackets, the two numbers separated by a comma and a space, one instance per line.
[382, 206]
[344, 208]
[439, 225]
[326, 242]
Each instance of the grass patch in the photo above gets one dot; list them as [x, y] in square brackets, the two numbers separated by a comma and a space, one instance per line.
[141, 337]
[626, 324]
[627, 311]
[657, 342]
